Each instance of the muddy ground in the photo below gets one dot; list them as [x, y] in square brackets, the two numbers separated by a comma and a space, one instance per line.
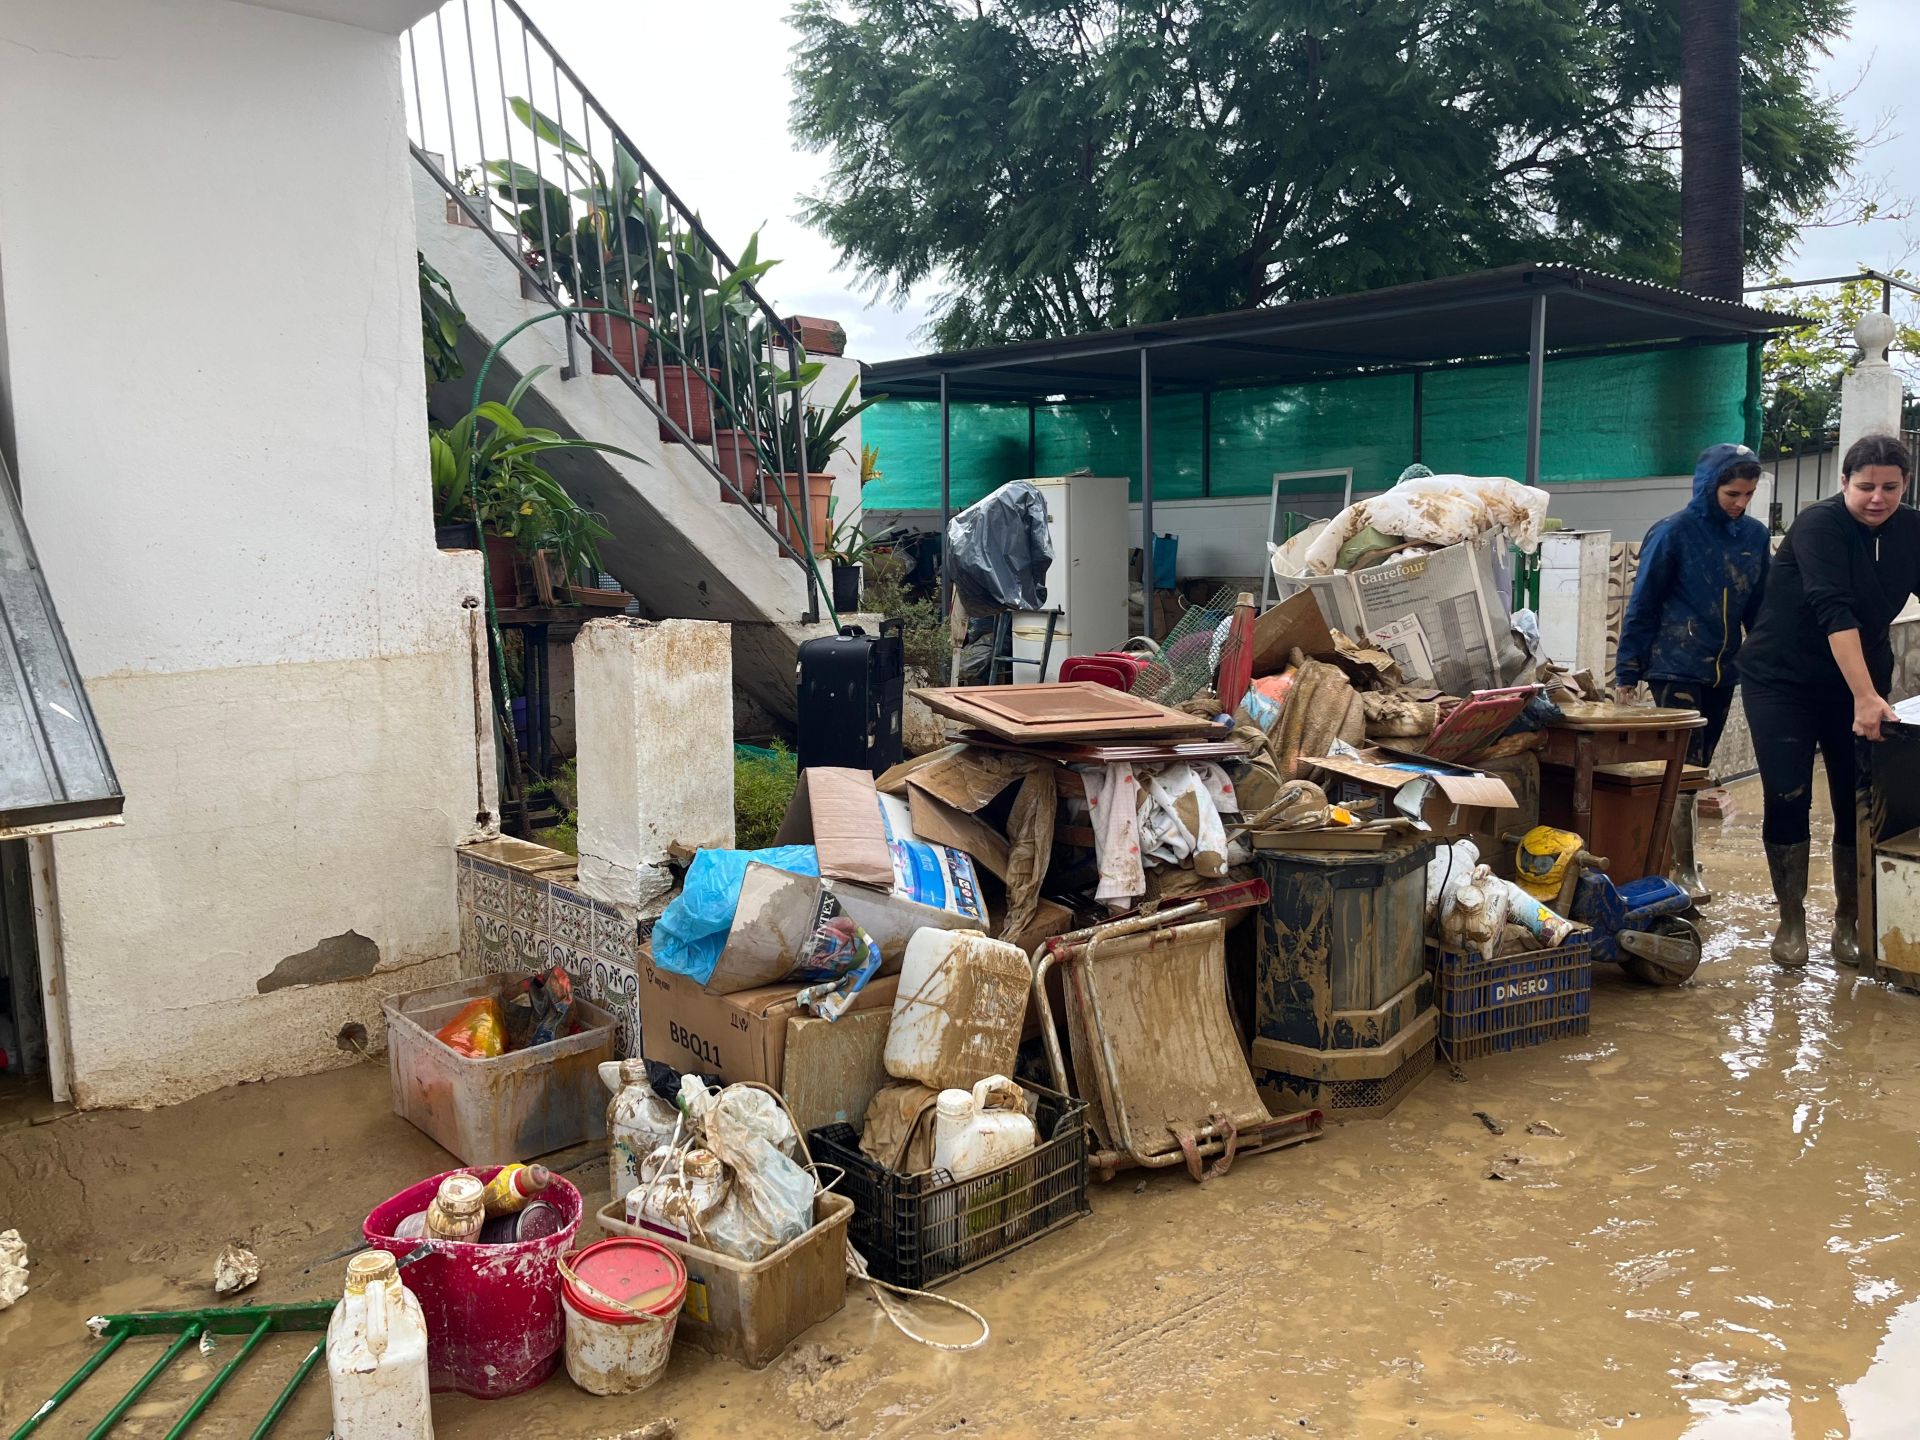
[1704, 1229]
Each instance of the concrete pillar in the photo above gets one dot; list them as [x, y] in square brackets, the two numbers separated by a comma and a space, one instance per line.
[1870, 393]
[654, 713]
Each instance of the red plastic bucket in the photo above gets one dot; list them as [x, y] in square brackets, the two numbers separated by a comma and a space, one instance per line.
[494, 1324]
[622, 1301]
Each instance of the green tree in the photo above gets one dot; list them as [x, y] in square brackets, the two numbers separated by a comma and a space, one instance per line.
[1071, 164]
[1802, 369]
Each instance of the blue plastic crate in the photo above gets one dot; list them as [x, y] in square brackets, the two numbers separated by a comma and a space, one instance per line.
[1509, 1003]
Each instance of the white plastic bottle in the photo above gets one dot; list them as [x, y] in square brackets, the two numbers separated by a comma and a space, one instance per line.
[981, 1131]
[377, 1356]
[638, 1121]
[958, 1011]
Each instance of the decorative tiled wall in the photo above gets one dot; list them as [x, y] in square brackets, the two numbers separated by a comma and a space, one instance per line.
[520, 911]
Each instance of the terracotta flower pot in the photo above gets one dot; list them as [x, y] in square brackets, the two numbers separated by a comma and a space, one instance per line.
[627, 341]
[503, 571]
[738, 459]
[819, 490]
[685, 397]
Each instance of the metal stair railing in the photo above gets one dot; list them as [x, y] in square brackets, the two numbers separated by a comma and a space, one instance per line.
[540, 167]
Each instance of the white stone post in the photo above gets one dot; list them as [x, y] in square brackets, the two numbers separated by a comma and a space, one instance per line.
[654, 710]
[1870, 394]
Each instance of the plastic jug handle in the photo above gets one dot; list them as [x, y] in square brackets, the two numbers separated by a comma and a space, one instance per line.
[376, 1298]
[997, 1092]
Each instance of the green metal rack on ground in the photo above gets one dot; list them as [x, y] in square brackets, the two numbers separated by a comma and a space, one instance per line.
[256, 1322]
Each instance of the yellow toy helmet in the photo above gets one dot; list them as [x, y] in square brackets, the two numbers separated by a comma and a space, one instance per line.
[1541, 859]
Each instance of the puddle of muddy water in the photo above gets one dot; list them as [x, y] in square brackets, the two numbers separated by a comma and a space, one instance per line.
[1707, 1234]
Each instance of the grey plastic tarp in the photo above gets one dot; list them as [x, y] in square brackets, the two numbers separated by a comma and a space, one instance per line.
[1000, 551]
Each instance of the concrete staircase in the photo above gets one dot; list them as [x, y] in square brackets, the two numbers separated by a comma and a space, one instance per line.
[682, 552]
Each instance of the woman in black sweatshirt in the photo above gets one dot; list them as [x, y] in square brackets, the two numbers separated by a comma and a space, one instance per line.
[1816, 669]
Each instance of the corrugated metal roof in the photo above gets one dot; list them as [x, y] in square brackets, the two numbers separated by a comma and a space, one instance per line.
[54, 769]
[1460, 317]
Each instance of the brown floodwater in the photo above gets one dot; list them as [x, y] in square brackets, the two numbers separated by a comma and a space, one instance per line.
[1697, 1222]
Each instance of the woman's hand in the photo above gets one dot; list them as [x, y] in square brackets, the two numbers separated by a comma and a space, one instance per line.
[1626, 694]
[1870, 712]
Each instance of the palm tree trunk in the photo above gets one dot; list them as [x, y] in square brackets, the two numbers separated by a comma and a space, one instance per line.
[1712, 176]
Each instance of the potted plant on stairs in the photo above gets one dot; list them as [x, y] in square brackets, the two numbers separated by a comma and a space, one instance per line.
[824, 440]
[486, 469]
[607, 258]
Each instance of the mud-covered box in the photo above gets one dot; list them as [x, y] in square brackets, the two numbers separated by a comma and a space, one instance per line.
[1343, 1002]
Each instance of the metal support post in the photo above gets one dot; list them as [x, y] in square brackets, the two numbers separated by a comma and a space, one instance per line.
[1146, 491]
[1536, 386]
[946, 507]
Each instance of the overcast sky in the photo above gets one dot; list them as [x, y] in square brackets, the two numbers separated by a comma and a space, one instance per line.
[703, 88]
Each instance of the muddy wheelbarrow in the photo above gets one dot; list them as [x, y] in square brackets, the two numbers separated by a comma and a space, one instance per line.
[1155, 1055]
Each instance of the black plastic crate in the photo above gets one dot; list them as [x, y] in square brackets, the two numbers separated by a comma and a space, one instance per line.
[917, 1230]
[1526, 998]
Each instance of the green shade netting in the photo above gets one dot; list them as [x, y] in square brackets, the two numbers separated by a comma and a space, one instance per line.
[1603, 417]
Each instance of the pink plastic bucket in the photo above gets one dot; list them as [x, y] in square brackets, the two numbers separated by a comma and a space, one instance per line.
[494, 1325]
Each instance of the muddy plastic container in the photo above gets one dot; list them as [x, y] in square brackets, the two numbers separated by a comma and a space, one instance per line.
[918, 1230]
[1490, 1006]
[751, 1310]
[494, 1324]
[493, 1112]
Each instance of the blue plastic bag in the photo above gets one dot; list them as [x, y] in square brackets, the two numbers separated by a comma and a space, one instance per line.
[689, 938]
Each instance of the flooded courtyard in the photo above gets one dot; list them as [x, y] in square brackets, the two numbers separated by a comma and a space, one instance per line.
[1695, 1222]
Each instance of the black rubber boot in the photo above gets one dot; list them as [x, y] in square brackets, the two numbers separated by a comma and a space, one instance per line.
[1787, 864]
[1846, 907]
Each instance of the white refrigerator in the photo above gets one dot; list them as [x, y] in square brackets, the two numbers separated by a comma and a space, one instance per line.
[1088, 523]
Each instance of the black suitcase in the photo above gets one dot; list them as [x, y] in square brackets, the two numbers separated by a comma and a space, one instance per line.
[852, 687]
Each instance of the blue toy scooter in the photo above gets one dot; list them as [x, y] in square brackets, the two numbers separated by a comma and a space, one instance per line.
[1645, 926]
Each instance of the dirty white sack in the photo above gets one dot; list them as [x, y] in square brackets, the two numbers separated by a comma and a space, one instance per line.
[13, 1267]
[1435, 510]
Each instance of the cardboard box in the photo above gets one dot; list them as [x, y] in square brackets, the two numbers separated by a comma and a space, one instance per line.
[1443, 616]
[737, 1037]
[833, 1067]
[1294, 624]
[888, 880]
[1459, 802]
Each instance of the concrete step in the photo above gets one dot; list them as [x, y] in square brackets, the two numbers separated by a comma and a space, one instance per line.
[682, 552]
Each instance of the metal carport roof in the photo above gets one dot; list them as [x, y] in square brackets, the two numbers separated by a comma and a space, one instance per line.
[1491, 314]
[1479, 316]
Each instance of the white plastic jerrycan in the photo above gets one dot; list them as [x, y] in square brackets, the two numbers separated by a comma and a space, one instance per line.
[976, 1132]
[959, 1009]
[377, 1356]
[638, 1121]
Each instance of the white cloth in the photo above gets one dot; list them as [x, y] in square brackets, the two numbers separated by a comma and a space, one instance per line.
[1179, 822]
[1436, 510]
[1113, 798]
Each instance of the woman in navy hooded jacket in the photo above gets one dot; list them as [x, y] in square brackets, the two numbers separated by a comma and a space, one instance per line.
[1698, 590]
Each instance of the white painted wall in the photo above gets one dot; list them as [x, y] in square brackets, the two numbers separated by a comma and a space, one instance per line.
[217, 392]
[653, 704]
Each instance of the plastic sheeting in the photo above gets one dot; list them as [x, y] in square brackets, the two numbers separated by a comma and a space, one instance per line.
[1604, 417]
[1001, 550]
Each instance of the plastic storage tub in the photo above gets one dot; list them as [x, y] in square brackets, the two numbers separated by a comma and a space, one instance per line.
[494, 1326]
[917, 1230]
[493, 1112]
[751, 1310]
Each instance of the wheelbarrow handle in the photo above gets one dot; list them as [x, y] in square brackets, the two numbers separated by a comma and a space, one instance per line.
[1050, 1036]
